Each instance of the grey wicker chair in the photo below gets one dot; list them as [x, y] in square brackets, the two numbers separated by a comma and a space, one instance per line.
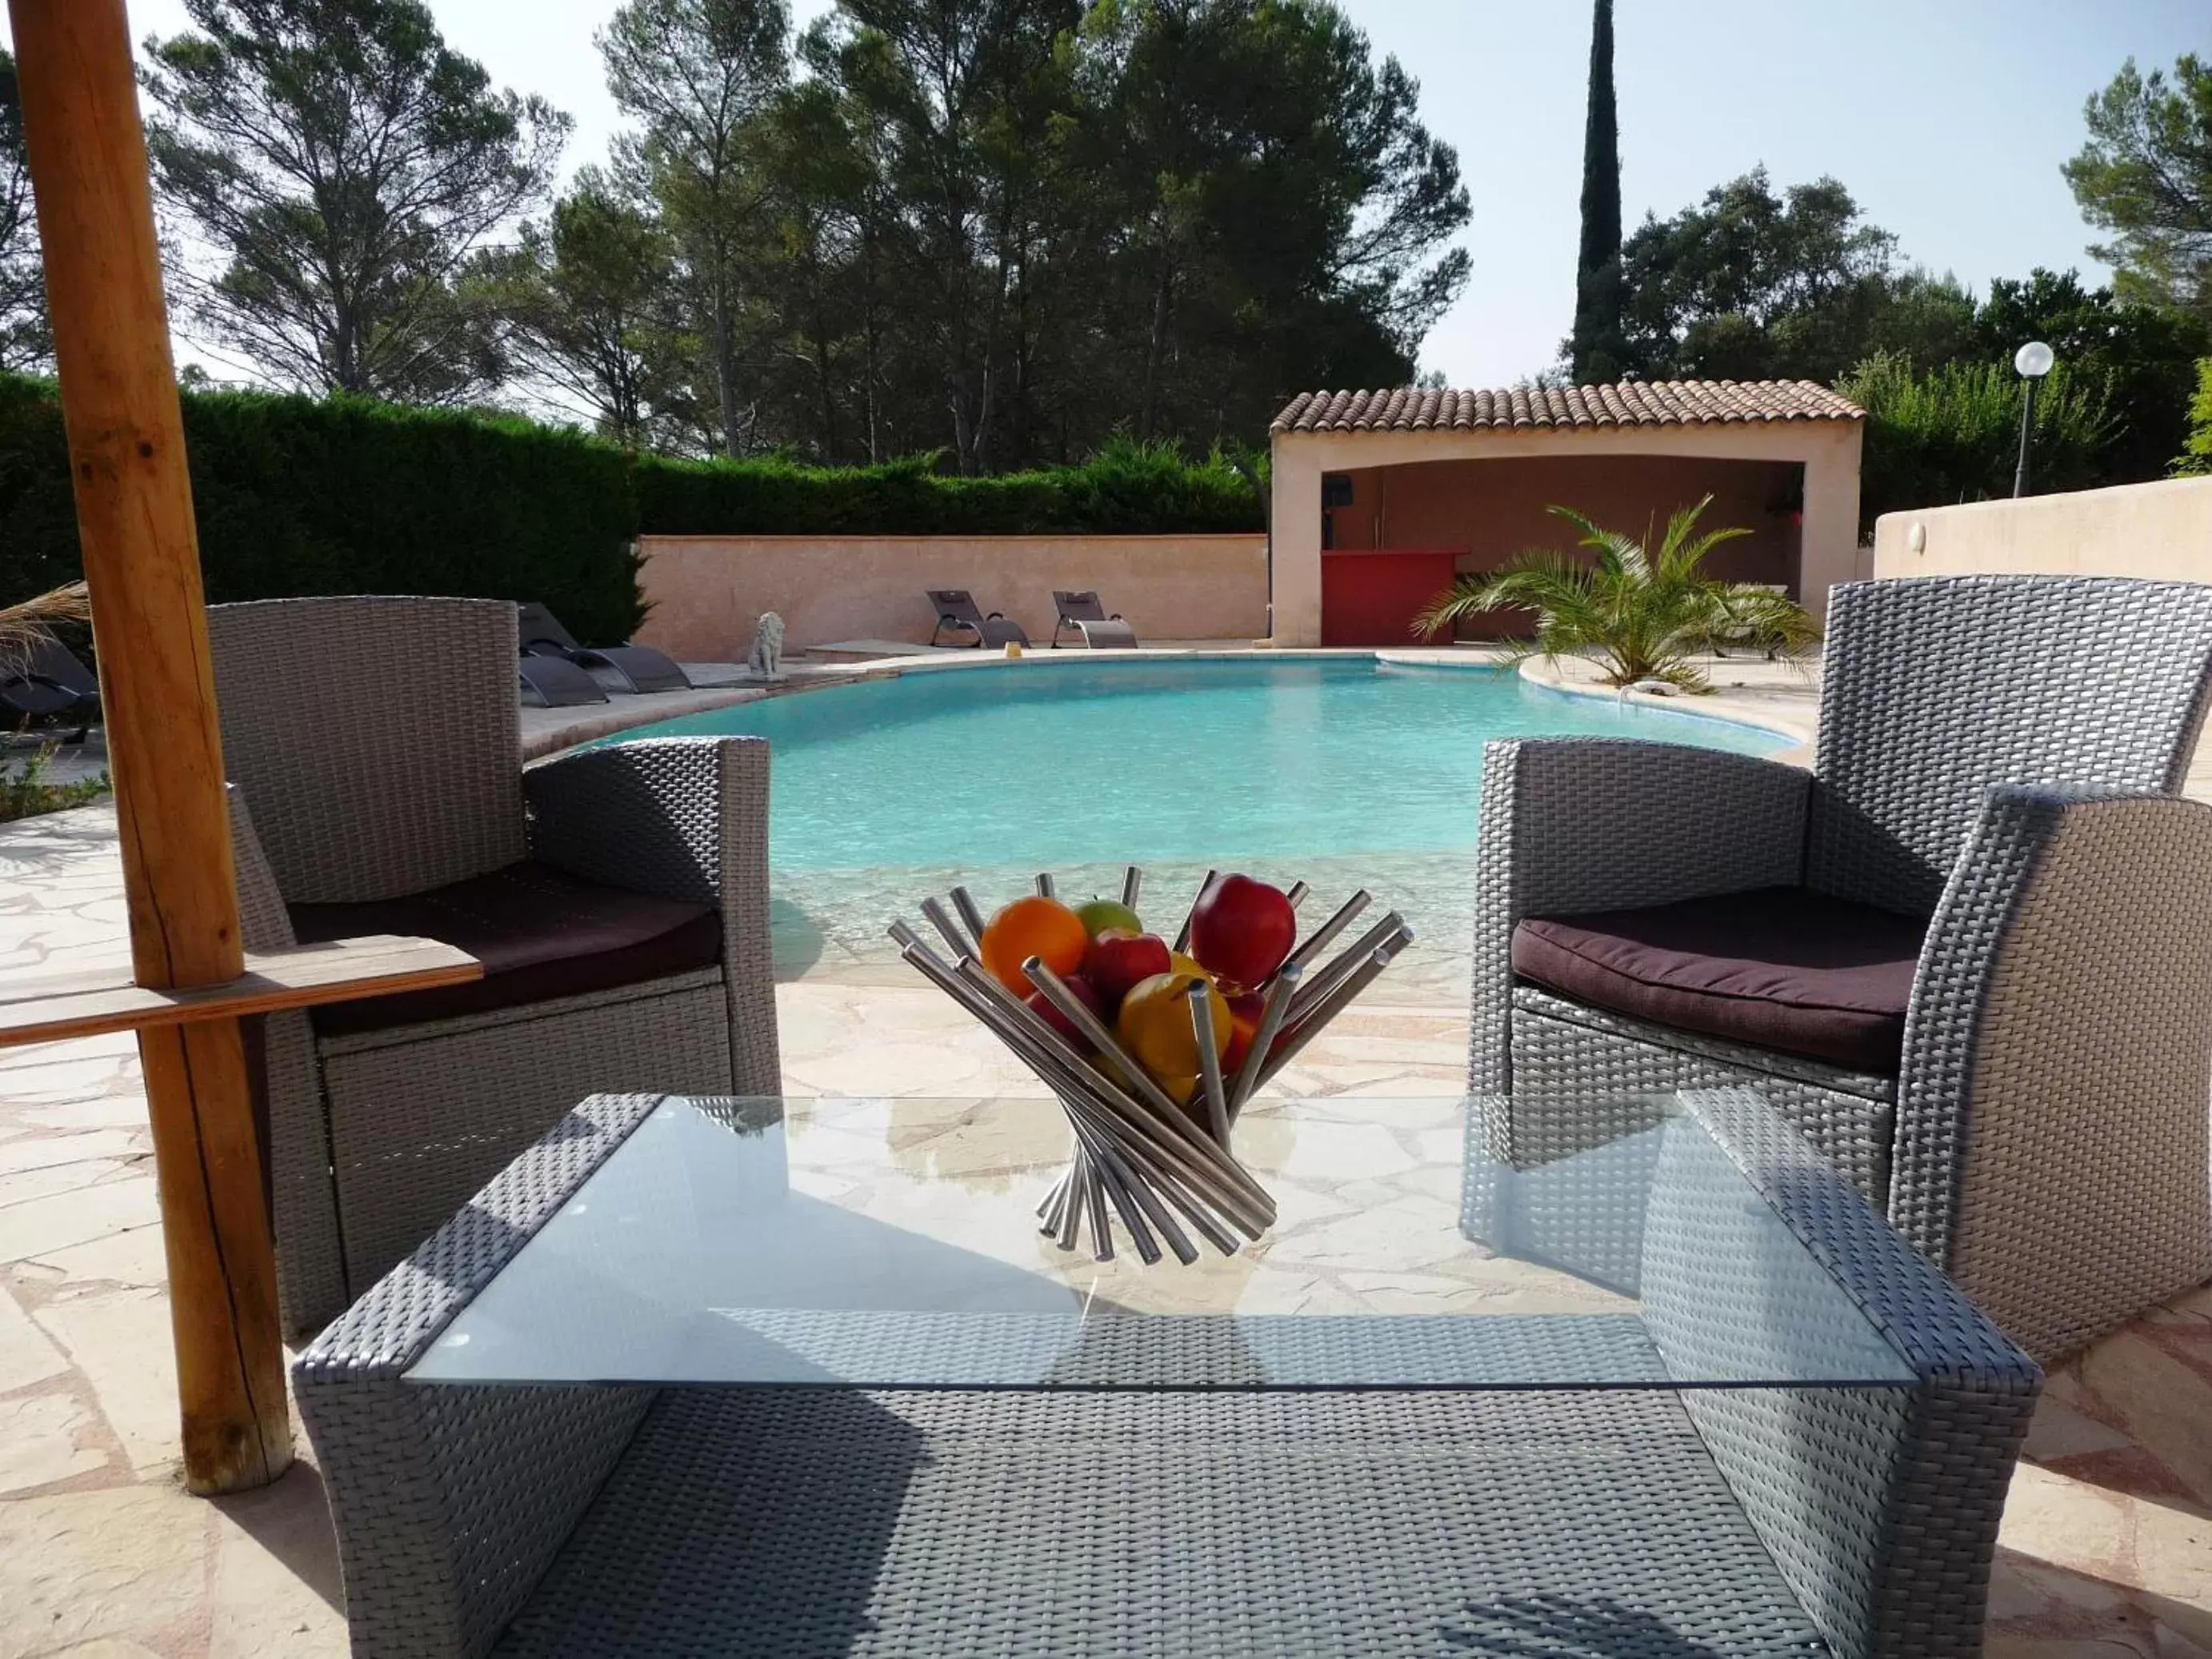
[1997, 763]
[806, 1523]
[365, 801]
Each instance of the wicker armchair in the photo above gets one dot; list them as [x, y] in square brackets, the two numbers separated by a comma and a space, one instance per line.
[378, 786]
[1997, 763]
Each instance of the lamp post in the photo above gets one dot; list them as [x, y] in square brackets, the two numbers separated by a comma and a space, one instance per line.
[2031, 362]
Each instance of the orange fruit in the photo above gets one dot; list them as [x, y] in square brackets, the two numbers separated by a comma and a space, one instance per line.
[1154, 1026]
[1033, 927]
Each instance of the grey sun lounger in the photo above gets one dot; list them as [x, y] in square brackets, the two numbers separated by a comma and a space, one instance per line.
[632, 667]
[44, 679]
[957, 609]
[1086, 613]
[550, 682]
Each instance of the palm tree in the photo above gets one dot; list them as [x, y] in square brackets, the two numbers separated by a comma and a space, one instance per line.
[1643, 615]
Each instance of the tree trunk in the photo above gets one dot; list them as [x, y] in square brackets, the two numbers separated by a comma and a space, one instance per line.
[725, 366]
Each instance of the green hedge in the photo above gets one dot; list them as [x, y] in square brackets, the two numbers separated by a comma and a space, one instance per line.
[300, 495]
[1128, 489]
[346, 496]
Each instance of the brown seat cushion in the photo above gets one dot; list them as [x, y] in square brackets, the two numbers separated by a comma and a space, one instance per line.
[1779, 967]
[540, 933]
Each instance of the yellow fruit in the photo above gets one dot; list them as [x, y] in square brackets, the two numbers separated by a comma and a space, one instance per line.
[1033, 927]
[1154, 1026]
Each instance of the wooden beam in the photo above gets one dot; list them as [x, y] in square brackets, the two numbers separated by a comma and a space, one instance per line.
[344, 971]
[134, 506]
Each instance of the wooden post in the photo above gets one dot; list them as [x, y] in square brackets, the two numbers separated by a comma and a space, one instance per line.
[134, 504]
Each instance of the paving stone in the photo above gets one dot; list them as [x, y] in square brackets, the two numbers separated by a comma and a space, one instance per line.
[123, 1564]
[277, 1589]
[26, 1184]
[67, 1218]
[120, 1340]
[50, 1152]
[135, 1257]
[46, 1438]
[26, 1354]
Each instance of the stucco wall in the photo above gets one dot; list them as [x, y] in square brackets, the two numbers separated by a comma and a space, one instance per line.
[707, 591]
[1826, 450]
[2161, 530]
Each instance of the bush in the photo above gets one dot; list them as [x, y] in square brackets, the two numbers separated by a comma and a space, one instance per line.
[2196, 457]
[1127, 489]
[301, 496]
[1953, 434]
[298, 496]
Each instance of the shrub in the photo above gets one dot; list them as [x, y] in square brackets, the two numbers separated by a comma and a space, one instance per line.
[2196, 457]
[301, 496]
[1953, 434]
[298, 496]
[25, 793]
[1640, 612]
[1127, 489]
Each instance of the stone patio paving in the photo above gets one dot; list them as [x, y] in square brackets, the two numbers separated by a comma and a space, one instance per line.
[2107, 1544]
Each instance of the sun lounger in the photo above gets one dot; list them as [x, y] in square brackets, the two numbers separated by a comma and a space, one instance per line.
[957, 609]
[43, 679]
[1086, 613]
[629, 667]
[550, 682]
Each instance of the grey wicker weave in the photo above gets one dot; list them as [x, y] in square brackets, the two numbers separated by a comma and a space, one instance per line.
[1640, 1523]
[355, 778]
[1998, 755]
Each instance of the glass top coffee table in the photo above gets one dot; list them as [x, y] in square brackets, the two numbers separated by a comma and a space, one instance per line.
[893, 1244]
[802, 1379]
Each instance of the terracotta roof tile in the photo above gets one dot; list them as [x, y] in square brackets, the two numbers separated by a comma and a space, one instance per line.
[1630, 403]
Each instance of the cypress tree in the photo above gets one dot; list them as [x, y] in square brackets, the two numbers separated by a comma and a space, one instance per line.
[1597, 348]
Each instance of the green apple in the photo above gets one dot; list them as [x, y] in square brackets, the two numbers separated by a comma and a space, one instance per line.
[1100, 913]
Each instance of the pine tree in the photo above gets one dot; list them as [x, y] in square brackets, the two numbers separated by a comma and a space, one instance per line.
[1596, 350]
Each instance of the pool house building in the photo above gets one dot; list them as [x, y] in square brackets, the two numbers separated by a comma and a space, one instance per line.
[1381, 497]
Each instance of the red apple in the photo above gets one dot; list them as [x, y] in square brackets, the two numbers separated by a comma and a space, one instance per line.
[1242, 929]
[1244, 1011]
[1119, 959]
[1087, 994]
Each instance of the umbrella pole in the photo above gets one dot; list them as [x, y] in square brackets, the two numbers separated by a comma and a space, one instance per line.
[88, 155]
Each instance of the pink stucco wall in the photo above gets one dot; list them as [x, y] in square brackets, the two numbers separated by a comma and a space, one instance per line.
[707, 591]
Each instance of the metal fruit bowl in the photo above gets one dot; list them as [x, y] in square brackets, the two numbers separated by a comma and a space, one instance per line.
[1162, 1169]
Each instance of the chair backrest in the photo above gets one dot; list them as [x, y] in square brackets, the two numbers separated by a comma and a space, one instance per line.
[375, 741]
[1083, 606]
[535, 624]
[955, 604]
[1934, 688]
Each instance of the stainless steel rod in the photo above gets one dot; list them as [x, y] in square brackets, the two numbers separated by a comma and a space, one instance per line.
[962, 944]
[1201, 996]
[1132, 879]
[1297, 894]
[1182, 936]
[1157, 1137]
[972, 917]
[1337, 999]
[1280, 990]
[1314, 943]
[1325, 978]
[1044, 885]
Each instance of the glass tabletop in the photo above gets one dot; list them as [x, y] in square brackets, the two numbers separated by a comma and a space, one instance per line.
[893, 1244]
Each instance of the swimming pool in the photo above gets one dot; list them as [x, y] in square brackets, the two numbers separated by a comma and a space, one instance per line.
[1219, 760]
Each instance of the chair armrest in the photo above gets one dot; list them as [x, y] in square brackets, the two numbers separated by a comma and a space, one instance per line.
[264, 924]
[451, 1502]
[2051, 1137]
[1593, 824]
[1879, 1504]
[686, 818]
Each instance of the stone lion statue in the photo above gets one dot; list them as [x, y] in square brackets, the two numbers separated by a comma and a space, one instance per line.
[766, 660]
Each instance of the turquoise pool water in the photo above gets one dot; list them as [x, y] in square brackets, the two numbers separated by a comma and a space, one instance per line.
[1219, 760]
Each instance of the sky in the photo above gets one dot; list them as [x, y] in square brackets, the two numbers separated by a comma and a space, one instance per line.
[1947, 119]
